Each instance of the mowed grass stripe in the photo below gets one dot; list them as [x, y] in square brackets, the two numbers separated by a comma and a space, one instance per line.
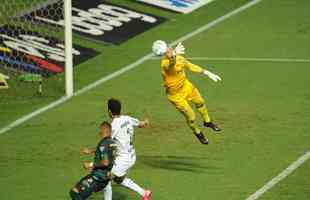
[125, 69]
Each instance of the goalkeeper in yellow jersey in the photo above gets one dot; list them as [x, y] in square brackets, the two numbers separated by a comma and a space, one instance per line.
[180, 91]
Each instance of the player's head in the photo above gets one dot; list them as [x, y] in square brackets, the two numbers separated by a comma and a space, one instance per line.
[105, 129]
[170, 52]
[114, 107]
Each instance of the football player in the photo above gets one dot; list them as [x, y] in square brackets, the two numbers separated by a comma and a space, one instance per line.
[100, 168]
[123, 133]
[180, 91]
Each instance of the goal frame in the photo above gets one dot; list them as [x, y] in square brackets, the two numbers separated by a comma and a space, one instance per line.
[69, 82]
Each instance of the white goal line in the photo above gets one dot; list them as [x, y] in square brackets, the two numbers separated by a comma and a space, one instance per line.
[244, 59]
[270, 184]
[125, 69]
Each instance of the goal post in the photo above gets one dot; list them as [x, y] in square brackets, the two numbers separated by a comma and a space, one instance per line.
[31, 47]
[69, 86]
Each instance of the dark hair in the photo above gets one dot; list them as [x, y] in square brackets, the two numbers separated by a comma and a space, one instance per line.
[114, 106]
[105, 123]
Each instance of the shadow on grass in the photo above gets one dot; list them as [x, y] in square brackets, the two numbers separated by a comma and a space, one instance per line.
[119, 193]
[177, 163]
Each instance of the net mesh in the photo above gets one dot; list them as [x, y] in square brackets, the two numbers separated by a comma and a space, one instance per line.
[28, 47]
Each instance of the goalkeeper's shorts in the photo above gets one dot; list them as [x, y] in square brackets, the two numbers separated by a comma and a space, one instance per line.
[185, 95]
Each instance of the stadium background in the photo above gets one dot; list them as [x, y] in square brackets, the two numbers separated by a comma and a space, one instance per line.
[262, 106]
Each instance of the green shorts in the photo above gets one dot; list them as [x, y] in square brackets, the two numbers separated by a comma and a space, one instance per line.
[86, 186]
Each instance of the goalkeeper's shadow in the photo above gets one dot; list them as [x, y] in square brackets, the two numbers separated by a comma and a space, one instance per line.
[178, 163]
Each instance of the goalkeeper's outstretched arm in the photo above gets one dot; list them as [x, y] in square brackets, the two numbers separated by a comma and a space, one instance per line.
[195, 68]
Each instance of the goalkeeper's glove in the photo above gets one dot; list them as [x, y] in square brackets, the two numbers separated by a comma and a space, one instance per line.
[212, 76]
[179, 49]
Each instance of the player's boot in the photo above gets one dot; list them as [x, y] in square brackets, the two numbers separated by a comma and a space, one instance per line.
[147, 195]
[202, 138]
[211, 125]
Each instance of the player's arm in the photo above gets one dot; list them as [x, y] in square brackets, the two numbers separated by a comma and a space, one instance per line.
[167, 64]
[197, 69]
[98, 165]
[87, 151]
[139, 123]
[192, 67]
[143, 123]
[102, 163]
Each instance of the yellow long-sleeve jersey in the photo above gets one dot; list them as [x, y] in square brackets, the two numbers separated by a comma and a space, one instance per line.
[174, 73]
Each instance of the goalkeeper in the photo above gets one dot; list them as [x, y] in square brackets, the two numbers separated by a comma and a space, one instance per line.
[180, 91]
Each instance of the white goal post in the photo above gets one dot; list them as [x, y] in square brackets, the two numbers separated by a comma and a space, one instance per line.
[68, 48]
[32, 48]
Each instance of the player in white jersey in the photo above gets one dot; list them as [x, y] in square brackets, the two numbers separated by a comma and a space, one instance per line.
[123, 132]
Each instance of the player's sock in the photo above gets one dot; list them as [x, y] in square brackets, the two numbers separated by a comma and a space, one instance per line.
[192, 124]
[204, 112]
[190, 117]
[107, 192]
[191, 121]
[133, 186]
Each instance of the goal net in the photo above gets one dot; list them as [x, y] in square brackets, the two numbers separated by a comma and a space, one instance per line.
[32, 54]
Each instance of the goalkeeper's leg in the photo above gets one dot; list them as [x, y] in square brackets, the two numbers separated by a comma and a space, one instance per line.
[200, 104]
[190, 116]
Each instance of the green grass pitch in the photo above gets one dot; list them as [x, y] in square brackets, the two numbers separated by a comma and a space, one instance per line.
[263, 108]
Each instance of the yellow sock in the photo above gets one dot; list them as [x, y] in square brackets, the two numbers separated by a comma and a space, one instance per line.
[189, 115]
[191, 119]
[193, 126]
[204, 113]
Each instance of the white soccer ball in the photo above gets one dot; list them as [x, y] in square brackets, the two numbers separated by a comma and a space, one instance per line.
[159, 47]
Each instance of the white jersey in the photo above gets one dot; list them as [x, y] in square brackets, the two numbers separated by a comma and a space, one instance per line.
[123, 133]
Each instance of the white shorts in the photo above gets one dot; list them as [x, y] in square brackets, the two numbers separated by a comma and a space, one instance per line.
[122, 164]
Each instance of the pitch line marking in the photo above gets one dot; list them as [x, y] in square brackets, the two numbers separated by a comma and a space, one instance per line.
[291, 168]
[126, 68]
[238, 59]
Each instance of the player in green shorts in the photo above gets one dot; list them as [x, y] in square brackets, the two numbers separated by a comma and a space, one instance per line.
[100, 168]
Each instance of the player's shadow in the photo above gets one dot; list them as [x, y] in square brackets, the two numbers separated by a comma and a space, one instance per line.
[118, 194]
[177, 163]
